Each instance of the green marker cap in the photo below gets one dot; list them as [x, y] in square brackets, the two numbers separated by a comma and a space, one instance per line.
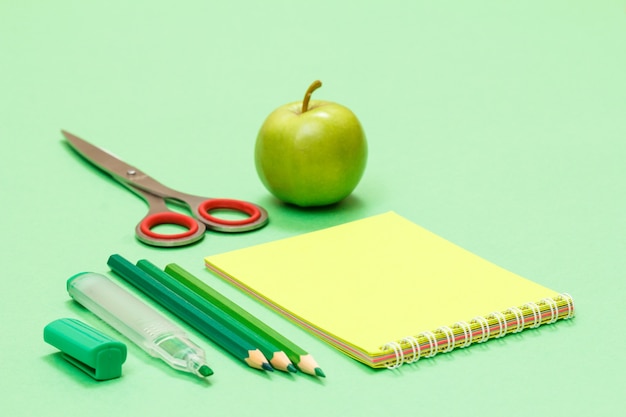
[95, 353]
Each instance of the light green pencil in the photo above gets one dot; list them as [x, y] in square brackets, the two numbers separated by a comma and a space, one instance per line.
[277, 358]
[303, 360]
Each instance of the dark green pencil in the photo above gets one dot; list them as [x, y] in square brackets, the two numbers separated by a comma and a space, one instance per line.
[224, 337]
[277, 358]
[303, 360]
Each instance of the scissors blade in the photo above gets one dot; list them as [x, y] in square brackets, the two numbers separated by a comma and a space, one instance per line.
[99, 157]
[114, 166]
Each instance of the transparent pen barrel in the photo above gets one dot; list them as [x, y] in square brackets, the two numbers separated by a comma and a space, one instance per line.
[182, 353]
[137, 321]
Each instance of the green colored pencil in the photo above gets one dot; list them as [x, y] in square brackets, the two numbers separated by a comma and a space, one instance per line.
[303, 360]
[278, 359]
[222, 336]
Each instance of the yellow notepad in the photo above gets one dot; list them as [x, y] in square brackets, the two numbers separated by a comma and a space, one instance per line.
[386, 291]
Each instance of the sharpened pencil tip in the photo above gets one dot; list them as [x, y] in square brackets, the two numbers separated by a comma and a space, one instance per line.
[308, 365]
[291, 368]
[281, 362]
[267, 367]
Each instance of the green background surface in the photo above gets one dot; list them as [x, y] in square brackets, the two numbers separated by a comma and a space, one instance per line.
[499, 125]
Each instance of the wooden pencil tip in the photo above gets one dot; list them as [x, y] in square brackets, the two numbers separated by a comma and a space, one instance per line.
[256, 360]
[308, 365]
[281, 361]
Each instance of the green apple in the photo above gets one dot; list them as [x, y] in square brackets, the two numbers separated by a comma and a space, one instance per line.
[311, 152]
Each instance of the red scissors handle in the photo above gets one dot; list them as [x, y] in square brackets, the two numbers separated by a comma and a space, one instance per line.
[160, 215]
[252, 210]
[204, 209]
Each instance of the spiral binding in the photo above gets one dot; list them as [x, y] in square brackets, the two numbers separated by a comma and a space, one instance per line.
[432, 343]
[467, 332]
[554, 309]
[570, 304]
[519, 318]
[536, 314]
[449, 337]
[502, 324]
[479, 329]
[397, 350]
[484, 328]
[415, 348]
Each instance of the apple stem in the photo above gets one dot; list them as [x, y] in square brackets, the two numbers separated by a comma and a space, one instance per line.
[307, 96]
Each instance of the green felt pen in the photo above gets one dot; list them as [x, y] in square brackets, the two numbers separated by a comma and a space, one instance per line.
[143, 325]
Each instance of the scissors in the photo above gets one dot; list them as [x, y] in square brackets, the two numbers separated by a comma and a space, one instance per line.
[156, 195]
